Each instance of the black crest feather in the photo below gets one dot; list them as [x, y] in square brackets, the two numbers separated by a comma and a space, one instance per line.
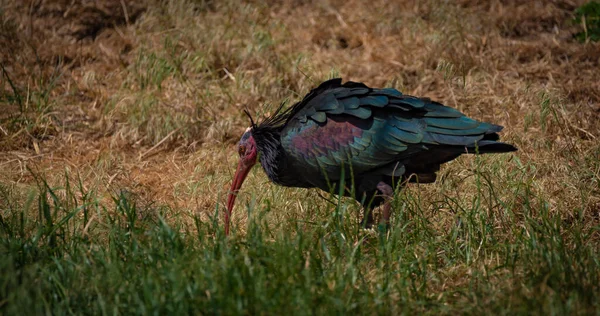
[280, 117]
[252, 124]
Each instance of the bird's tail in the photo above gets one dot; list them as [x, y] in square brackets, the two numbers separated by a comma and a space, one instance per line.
[490, 145]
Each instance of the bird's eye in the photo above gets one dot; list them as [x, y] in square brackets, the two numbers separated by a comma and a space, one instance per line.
[242, 150]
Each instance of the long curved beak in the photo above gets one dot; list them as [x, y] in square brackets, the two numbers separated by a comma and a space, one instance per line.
[240, 175]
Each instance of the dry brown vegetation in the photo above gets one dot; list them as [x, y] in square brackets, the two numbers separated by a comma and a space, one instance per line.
[148, 96]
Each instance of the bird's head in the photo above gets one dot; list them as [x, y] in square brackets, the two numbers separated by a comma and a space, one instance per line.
[248, 153]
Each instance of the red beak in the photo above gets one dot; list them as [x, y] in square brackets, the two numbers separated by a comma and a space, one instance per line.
[240, 175]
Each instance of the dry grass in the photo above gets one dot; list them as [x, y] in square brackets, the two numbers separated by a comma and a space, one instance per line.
[147, 97]
[148, 100]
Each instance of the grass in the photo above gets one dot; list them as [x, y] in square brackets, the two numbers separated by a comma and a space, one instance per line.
[588, 15]
[116, 152]
[134, 259]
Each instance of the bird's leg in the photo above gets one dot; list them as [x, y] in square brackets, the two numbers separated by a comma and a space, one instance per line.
[387, 192]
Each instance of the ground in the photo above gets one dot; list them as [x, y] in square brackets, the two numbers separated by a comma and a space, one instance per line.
[118, 124]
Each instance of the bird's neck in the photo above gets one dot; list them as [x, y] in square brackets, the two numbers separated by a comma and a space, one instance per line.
[271, 154]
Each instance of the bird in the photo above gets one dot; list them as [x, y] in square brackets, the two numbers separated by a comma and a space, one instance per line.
[377, 139]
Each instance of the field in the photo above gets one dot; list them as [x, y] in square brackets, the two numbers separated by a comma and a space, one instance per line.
[118, 125]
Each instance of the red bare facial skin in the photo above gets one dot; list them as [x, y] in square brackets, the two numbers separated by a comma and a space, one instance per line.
[248, 153]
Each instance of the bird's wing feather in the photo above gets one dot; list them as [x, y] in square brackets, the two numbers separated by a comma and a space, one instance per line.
[371, 129]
